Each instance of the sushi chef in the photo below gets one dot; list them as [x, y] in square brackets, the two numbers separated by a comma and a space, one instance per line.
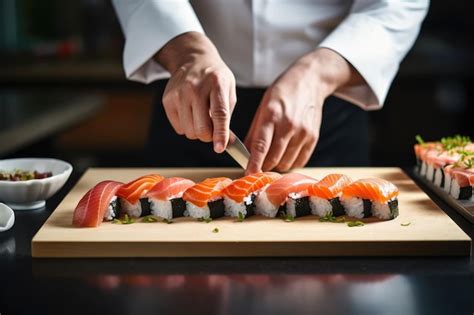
[296, 78]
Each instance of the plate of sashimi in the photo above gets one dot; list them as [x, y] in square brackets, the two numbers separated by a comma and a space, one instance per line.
[290, 196]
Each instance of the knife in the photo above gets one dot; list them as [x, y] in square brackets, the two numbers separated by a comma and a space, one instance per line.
[237, 150]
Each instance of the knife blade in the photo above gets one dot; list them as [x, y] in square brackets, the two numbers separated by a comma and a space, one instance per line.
[237, 150]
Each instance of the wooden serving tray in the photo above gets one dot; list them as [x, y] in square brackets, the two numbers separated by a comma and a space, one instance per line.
[430, 231]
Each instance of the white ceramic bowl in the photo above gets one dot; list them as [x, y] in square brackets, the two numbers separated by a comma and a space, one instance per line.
[7, 217]
[32, 194]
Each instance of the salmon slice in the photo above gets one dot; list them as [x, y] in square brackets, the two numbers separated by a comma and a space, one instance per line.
[205, 191]
[330, 186]
[91, 208]
[242, 187]
[170, 188]
[375, 189]
[134, 190]
[279, 190]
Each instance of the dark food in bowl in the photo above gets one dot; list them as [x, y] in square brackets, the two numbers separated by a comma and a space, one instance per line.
[20, 175]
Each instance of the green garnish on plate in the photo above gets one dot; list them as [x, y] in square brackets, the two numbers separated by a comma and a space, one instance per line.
[167, 221]
[355, 223]
[216, 230]
[405, 224]
[125, 220]
[149, 219]
[241, 217]
[206, 219]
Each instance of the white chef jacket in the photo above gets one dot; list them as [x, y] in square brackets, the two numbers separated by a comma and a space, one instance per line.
[259, 39]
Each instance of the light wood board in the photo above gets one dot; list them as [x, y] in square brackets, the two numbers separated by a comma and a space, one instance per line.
[430, 231]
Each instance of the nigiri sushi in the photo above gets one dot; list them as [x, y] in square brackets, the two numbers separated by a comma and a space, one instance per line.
[371, 197]
[462, 182]
[165, 198]
[205, 200]
[98, 204]
[129, 195]
[240, 195]
[324, 195]
[287, 194]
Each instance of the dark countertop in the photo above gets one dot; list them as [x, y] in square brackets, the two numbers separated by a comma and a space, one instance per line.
[26, 117]
[398, 285]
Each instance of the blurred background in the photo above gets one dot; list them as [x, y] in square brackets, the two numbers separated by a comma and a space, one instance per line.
[63, 92]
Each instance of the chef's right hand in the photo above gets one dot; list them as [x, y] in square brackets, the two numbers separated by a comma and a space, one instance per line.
[200, 95]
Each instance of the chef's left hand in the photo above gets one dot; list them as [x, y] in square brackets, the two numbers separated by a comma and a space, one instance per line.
[285, 129]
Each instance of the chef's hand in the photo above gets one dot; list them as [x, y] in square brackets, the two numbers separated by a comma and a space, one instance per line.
[200, 95]
[285, 129]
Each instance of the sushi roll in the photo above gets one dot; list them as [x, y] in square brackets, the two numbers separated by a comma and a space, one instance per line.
[287, 195]
[240, 195]
[205, 200]
[462, 183]
[371, 197]
[98, 204]
[165, 198]
[129, 195]
[324, 195]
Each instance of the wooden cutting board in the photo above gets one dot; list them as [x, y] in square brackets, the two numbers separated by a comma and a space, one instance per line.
[430, 231]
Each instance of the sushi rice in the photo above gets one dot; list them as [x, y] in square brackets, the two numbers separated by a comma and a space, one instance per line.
[264, 207]
[111, 212]
[320, 206]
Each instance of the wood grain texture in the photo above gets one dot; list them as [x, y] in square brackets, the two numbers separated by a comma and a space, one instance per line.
[430, 233]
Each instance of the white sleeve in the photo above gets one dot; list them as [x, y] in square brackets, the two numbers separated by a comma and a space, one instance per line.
[374, 38]
[148, 25]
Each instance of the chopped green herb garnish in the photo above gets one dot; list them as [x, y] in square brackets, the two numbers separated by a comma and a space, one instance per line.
[149, 219]
[127, 220]
[289, 218]
[241, 217]
[355, 223]
[328, 218]
[216, 230]
[167, 221]
[455, 142]
[405, 224]
[205, 219]
[419, 139]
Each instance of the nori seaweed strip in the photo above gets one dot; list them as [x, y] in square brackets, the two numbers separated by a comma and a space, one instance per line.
[178, 206]
[393, 206]
[337, 208]
[116, 208]
[302, 207]
[251, 207]
[282, 210]
[367, 208]
[418, 164]
[442, 177]
[465, 192]
[216, 208]
[146, 209]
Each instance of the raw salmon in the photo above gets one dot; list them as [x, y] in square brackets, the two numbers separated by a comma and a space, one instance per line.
[205, 191]
[374, 189]
[134, 190]
[279, 190]
[330, 186]
[242, 187]
[170, 188]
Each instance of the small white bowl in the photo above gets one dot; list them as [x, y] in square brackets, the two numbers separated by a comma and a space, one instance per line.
[7, 217]
[31, 194]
